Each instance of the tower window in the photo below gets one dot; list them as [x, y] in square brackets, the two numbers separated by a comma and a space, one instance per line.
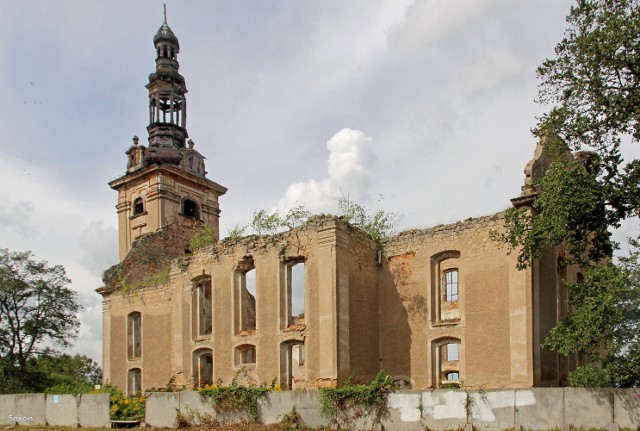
[138, 206]
[134, 335]
[190, 208]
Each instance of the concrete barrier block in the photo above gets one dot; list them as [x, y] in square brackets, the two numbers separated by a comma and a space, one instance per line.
[197, 409]
[588, 407]
[279, 403]
[30, 409]
[61, 410]
[626, 408]
[494, 409]
[7, 410]
[444, 409]
[539, 408]
[405, 411]
[93, 411]
[161, 409]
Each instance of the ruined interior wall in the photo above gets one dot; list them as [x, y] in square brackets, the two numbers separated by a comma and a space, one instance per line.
[410, 330]
[363, 306]
[169, 309]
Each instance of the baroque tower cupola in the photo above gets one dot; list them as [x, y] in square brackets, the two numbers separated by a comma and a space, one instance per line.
[165, 182]
[167, 101]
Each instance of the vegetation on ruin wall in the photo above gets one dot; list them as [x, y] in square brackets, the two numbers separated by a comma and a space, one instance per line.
[351, 401]
[376, 224]
[236, 397]
[161, 276]
[592, 86]
[201, 237]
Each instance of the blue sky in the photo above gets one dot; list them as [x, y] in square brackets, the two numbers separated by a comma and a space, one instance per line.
[427, 103]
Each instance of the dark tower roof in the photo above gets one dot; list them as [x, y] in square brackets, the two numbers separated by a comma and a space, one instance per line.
[167, 102]
[165, 34]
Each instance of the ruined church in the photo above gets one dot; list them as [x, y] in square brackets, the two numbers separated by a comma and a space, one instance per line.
[312, 306]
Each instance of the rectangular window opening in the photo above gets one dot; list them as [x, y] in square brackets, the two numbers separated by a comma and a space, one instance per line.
[204, 304]
[245, 294]
[296, 292]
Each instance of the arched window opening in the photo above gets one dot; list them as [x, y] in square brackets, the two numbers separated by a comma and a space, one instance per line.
[292, 296]
[134, 335]
[138, 206]
[203, 367]
[446, 289]
[203, 309]
[190, 208]
[447, 362]
[245, 354]
[244, 296]
[292, 365]
[134, 381]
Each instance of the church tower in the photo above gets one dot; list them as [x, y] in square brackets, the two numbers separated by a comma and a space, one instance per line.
[165, 182]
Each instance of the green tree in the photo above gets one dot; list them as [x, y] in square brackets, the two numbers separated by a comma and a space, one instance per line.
[38, 313]
[66, 374]
[376, 225]
[592, 85]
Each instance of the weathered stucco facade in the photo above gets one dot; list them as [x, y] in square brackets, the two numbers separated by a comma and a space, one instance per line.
[444, 305]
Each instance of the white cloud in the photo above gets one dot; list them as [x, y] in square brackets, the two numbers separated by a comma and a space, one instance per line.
[351, 167]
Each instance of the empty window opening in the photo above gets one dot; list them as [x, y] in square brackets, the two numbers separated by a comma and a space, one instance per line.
[203, 305]
[190, 208]
[134, 381]
[203, 367]
[295, 293]
[245, 354]
[448, 362]
[245, 296]
[292, 368]
[451, 285]
[134, 335]
[138, 206]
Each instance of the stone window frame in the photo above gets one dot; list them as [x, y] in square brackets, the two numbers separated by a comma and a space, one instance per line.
[194, 209]
[442, 263]
[245, 354]
[287, 318]
[138, 207]
[442, 367]
[286, 360]
[241, 321]
[134, 336]
[198, 356]
[198, 312]
[134, 381]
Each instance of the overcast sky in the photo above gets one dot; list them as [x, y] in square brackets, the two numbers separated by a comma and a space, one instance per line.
[427, 103]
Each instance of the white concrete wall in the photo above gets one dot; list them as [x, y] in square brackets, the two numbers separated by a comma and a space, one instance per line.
[534, 408]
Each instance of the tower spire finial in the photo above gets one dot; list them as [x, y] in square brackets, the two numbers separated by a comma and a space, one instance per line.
[165, 13]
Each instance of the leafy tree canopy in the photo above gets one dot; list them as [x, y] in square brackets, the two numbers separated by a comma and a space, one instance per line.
[38, 313]
[592, 85]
